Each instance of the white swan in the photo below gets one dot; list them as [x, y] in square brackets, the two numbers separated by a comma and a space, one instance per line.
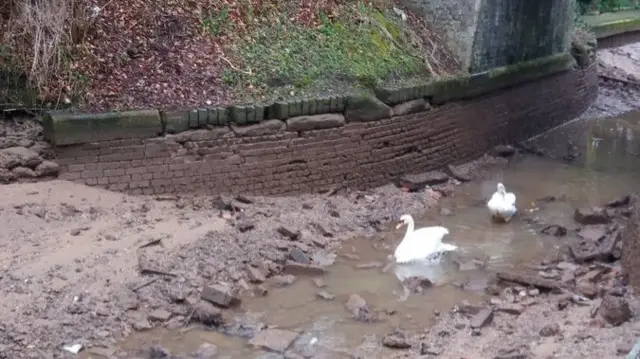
[422, 244]
[502, 204]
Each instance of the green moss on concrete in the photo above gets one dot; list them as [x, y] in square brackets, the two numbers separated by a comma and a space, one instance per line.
[62, 128]
[365, 108]
[610, 24]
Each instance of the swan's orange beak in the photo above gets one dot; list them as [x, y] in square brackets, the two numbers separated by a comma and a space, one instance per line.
[400, 224]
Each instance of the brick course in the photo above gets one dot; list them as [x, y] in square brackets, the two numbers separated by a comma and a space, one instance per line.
[619, 40]
[355, 155]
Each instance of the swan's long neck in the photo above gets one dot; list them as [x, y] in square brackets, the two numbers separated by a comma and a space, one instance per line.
[410, 227]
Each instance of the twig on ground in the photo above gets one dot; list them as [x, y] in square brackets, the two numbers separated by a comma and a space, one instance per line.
[235, 68]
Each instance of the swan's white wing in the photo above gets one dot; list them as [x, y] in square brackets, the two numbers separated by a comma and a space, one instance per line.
[420, 244]
[510, 199]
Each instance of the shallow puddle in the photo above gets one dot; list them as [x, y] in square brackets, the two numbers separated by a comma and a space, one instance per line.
[606, 168]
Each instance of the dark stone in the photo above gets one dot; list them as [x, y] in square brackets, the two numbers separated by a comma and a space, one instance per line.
[619, 202]
[459, 173]
[590, 216]
[615, 310]
[317, 122]
[298, 256]
[303, 269]
[365, 109]
[426, 349]
[417, 284]
[503, 151]
[396, 340]
[255, 275]
[359, 308]
[550, 330]
[512, 353]
[158, 352]
[483, 318]
[289, 233]
[416, 182]
[594, 244]
[207, 314]
[554, 230]
[221, 295]
[244, 225]
[47, 168]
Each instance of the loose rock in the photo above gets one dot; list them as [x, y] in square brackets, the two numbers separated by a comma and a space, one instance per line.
[359, 308]
[207, 314]
[590, 216]
[303, 269]
[483, 318]
[615, 310]
[221, 295]
[396, 340]
[275, 340]
[291, 234]
[417, 284]
[554, 230]
[550, 330]
[298, 256]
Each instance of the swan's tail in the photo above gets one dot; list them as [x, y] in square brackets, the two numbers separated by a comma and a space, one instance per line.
[446, 247]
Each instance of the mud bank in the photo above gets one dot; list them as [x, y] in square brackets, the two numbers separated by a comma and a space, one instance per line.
[619, 90]
[87, 266]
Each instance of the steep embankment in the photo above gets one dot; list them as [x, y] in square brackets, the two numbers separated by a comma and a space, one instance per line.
[116, 54]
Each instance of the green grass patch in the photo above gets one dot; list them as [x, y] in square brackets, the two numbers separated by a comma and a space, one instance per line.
[283, 59]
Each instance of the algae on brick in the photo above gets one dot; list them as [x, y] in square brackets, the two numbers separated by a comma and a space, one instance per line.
[203, 117]
[239, 115]
[193, 119]
[281, 110]
[251, 114]
[295, 108]
[260, 113]
[223, 115]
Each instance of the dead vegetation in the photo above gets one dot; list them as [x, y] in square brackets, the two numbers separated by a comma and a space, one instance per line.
[119, 54]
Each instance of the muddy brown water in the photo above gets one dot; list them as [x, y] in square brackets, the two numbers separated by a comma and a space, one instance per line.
[607, 167]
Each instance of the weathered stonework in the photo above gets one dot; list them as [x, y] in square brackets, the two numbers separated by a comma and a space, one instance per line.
[268, 159]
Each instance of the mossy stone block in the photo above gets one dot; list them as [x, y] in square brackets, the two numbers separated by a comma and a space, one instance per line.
[342, 103]
[193, 119]
[62, 128]
[203, 117]
[313, 106]
[295, 108]
[223, 116]
[251, 114]
[270, 112]
[305, 107]
[450, 89]
[281, 110]
[239, 115]
[363, 108]
[175, 121]
[326, 104]
[260, 113]
[334, 104]
[385, 94]
[212, 117]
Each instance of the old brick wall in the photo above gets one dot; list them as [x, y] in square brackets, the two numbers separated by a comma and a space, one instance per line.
[265, 159]
[619, 40]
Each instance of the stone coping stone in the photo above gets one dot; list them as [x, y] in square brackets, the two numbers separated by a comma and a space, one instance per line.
[62, 128]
